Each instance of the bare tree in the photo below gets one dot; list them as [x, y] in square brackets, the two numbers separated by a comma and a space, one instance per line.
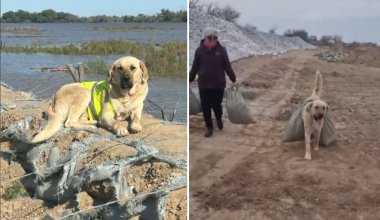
[330, 39]
[326, 39]
[227, 13]
[249, 27]
[194, 3]
[337, 38]
[273, 30]
[297, 33]
[313, 39]
[214, 10]
[230, 14]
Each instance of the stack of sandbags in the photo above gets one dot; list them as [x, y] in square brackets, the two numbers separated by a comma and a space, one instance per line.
[105, 167]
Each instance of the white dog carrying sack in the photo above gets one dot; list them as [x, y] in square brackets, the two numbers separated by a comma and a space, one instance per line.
[237, 110]
[295, 129]
[195, 104]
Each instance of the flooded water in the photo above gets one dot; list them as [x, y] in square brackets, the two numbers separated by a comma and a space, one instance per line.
[16, 68]
[80, 32]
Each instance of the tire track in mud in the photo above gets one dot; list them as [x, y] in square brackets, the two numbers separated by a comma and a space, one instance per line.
[212, 158]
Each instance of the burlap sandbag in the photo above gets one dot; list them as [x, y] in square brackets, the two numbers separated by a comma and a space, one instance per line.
[238, 111]
[295, 129]
[328, 135]
[195, 104]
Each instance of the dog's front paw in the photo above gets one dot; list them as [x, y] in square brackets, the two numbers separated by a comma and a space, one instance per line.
[316, 147]
[135, 128]
[121, 132]
[307, 157]
[120, 129]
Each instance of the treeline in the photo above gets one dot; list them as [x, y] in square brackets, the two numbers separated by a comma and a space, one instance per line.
[51, 16]
[323, 40]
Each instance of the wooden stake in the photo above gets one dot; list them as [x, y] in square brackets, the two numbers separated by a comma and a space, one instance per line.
[81, 72]
[73, 71]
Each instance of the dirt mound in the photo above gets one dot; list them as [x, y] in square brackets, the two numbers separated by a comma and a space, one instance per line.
[366, 54]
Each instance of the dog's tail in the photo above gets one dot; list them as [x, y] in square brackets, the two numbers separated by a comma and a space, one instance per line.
[318, 84]
[55, 122]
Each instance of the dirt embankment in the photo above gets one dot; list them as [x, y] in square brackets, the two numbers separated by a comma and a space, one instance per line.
[247, 172]
[145, 177]
[366, 54]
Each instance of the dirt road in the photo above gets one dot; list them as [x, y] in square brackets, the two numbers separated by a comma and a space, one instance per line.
[246, 172]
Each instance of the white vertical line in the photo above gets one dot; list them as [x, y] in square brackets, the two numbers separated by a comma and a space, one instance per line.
[187, 109]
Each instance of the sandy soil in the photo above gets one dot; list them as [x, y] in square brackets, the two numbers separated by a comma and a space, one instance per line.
[367, 54]
[149, 176]
[247, 172]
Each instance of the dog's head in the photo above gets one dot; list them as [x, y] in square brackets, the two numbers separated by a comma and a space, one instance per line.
[128, 74]
[317, 109]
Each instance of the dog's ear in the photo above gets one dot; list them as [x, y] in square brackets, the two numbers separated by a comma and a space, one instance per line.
[327, 108]
[110, 73]
[145, 75]
[309, 106]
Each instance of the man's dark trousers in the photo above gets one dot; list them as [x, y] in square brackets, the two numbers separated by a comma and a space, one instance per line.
[211, 99]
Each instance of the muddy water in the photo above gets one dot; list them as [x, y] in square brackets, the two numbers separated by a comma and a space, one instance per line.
[16, 68]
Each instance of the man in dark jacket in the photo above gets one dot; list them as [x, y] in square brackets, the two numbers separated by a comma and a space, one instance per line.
[211, 62]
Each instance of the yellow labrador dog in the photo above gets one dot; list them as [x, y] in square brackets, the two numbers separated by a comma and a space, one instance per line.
[312, 115]
[107, 103]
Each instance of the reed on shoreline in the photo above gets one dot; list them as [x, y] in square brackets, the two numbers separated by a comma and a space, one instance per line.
[168, 59]
[22, 30]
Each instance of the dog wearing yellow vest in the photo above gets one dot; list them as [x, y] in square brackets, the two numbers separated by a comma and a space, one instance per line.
[106, 103]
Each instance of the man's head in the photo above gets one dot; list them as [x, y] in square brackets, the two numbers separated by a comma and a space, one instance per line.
[210, 36]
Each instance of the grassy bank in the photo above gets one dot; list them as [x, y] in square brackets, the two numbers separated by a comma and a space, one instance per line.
[97, 66]
[169, 59]
[22, 30]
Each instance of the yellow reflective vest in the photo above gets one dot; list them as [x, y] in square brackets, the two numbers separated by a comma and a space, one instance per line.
[98, 90]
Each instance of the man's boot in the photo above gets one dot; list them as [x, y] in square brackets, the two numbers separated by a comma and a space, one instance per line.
[209, 132]
[219, 122]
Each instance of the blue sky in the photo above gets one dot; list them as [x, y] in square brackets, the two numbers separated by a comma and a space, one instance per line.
[95, 7]
[354, 20]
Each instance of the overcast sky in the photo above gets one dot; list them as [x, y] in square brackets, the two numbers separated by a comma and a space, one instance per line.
[95, 7]
[357, 20]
